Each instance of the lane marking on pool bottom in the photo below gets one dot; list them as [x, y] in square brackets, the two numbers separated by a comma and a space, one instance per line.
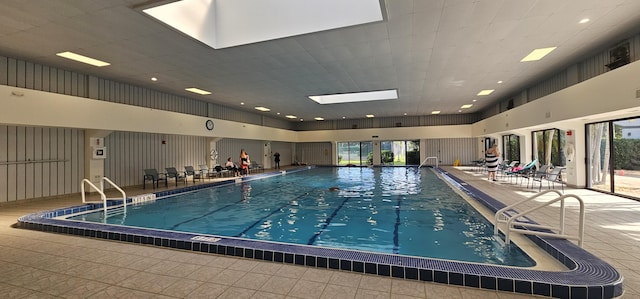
[261, 220]
[313, 238]
[396, 242]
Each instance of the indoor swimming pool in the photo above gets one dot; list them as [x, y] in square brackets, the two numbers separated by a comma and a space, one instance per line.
[303, 219]
[397, 210]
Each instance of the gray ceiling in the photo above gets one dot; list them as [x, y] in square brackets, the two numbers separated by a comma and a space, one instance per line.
[438, 53]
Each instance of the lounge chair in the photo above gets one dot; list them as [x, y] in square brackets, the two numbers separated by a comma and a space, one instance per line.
[220, 171]
[255, 167]
[172, 173]
[554, 176]
[190, 172]
[526, 170]
[153, 176]
[205, 172]
[537, 175]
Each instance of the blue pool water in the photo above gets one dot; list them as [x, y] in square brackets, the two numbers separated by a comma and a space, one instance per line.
[406, 211]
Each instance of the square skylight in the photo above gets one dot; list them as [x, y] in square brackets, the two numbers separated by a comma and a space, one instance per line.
[228, 23]
[382, 95]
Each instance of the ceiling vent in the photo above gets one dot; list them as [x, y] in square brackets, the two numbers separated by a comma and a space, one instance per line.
[619, 56]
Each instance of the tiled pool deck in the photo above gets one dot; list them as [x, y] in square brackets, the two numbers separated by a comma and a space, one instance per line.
[589, 277]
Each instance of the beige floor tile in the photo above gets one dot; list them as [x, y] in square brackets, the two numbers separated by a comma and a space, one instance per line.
[237, 293]
[371, 294]
[307, 289]
[205, 273]
[375, 283]
[182, 288]
[291, 271]
[346, 279]
[267, 295]
[228, 277]
[208, 290]
[338, 292]
[279, 285]
[148, 282]
[253, 281]
[317, 275]
[408, 287]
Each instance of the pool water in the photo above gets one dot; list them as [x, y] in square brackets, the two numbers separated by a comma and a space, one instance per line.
[407, 211]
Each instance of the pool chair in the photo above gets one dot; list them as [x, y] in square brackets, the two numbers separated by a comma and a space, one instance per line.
[221, 171]
[255, 167]
[153, 176]
[205, 172]
[520, 173]
[172, 173]
[554, 176]
[538, 174]
[190, 172]
[506, 166]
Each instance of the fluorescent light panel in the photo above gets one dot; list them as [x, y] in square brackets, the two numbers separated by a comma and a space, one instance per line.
[197, 90]
[435, 112]
[537, 54]
[466, 106]
[382, 95]
[263, 109]
[83, 59]
[370, 115]
[319, 118]
[486, 92]
[291, 116]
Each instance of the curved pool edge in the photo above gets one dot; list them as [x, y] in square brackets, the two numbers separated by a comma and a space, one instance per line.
[588, 277]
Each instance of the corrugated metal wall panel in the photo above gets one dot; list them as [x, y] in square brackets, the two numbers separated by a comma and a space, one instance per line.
[229, 147]
[36, 178]
[285, 150]
[450, 149]
[314, 153]
[129, 153]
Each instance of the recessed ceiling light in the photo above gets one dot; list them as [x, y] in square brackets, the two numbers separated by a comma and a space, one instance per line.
[301, 119]
[263, 109]
[466, 106]
[405, 113]
[485, 92]
[344, 117]
[459, 110]
[381, 95]
[318, 118]
[537, 54]
[241, 103]
[291, 116]
[370, 115]
[154, 79]
[585, 20]
[500, 82]
[83, 59]
[435, 112]
[474, 100]
[278, 113]
[197, 90]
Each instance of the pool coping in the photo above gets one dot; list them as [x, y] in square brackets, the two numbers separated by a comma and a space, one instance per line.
[587, 277]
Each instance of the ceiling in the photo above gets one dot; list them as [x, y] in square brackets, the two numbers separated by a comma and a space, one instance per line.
[438, 54]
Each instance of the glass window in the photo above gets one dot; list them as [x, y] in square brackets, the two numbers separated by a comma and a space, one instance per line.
[356, 153]
[400, 152]
[548, 147]
[626, 157]
[598, 156]
[511, 147]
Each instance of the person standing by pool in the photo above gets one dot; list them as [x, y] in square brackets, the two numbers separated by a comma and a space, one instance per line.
[491, 159]
[277, 159]
[244, 162]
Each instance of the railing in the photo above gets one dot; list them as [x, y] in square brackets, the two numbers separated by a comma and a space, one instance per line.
[516, 222]
[427, 159]
[107, 212]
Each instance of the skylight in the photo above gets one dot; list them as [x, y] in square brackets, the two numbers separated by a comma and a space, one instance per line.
[486, 92]
[391, 94]
[228, 23]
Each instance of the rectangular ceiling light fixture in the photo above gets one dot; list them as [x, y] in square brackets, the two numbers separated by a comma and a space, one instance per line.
[537, 54]
[83, 59]
[435, 112]
[263, 109]
[197, 90]
[486, 92]
[370, 115]
[381, 95]
[291, 116]
[466, 106]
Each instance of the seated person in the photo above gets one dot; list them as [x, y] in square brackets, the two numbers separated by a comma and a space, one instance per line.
[232, 167]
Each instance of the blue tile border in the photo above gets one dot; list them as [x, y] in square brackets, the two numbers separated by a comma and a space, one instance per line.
[587, 277]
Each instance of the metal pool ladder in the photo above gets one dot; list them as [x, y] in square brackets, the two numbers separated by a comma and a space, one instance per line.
[517, 222]
[108, 211]
[427, 159]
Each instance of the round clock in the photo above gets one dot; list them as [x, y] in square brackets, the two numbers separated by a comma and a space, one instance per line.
[209, 125]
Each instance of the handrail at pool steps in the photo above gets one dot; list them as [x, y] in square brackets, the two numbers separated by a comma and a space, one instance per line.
[427, 159]
[517, 222]
[115, 210]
